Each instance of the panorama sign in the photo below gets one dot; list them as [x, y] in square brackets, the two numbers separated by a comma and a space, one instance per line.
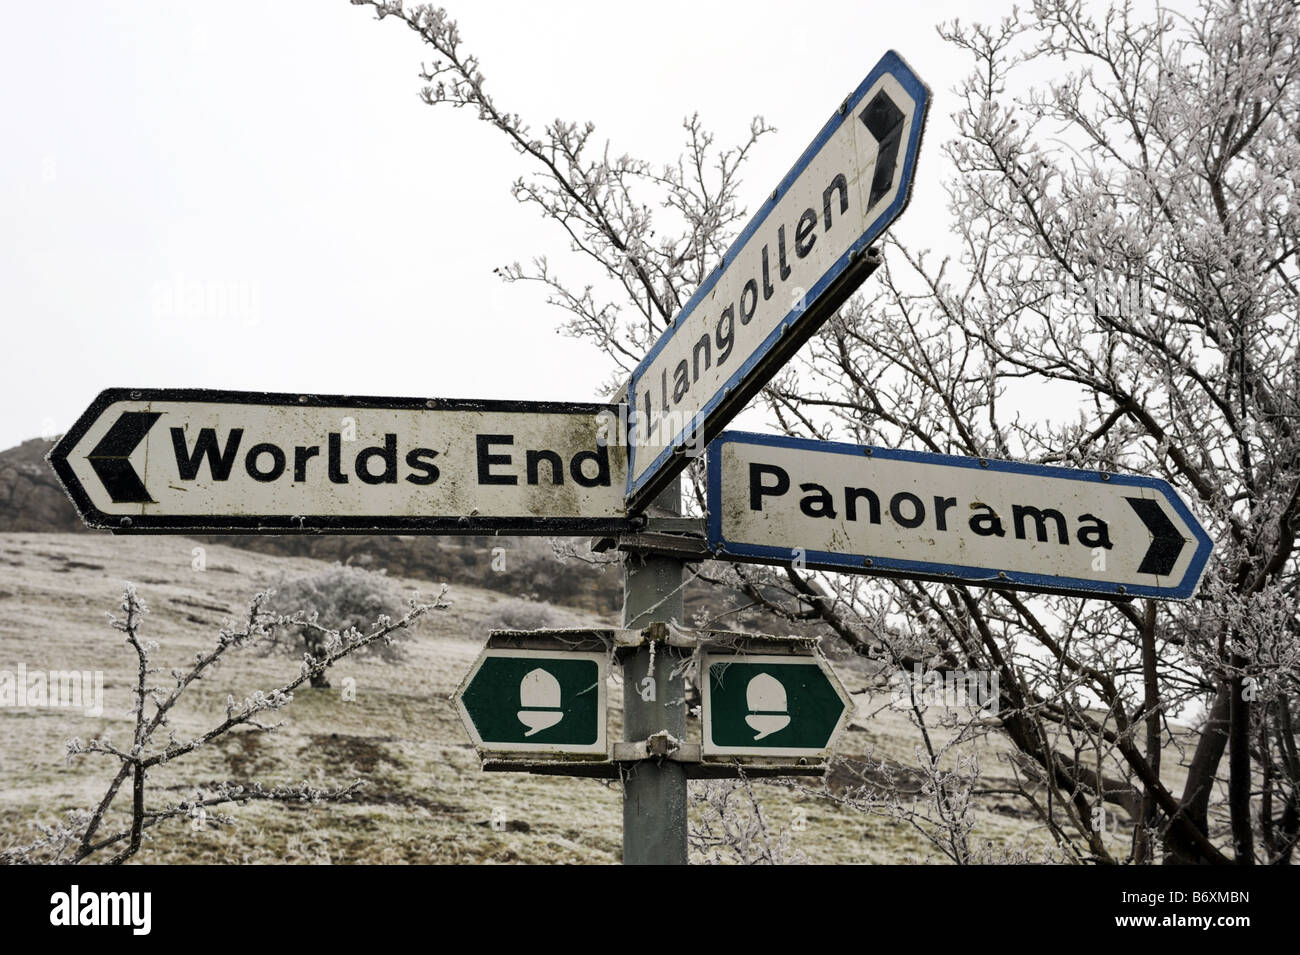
[978, 521]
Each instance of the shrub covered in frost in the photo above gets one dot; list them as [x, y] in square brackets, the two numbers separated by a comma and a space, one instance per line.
[339, 598]
[523, 615]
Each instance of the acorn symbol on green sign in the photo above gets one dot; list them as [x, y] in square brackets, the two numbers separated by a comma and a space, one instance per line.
[765, 697]
[539, 699]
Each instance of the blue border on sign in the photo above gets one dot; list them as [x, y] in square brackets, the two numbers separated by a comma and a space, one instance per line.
[958, 573]
[890, 63]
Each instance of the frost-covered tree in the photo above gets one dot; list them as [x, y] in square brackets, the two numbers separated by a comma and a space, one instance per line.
[1129, 237]
[338, 599]
[1122, 195]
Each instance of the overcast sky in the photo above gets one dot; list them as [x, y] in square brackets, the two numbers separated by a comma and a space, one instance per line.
[251, 195]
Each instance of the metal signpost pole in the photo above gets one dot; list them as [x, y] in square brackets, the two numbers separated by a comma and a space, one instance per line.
[654, 791]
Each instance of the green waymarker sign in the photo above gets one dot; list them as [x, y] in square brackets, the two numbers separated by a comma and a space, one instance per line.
[775, 706]
[536, 701]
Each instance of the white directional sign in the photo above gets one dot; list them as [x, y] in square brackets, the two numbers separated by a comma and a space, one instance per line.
[800, 257]
[179, 460]
[976, 521]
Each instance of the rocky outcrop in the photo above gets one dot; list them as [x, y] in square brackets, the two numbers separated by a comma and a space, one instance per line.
[31, 498]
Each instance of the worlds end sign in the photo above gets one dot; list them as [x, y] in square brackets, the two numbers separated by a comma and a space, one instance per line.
[178, 460]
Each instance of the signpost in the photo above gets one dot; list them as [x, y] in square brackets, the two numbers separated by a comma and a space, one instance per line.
[771, 706]
[172, 461]
[974, 521]
[803, 253]
[535, 702]
[175, 461]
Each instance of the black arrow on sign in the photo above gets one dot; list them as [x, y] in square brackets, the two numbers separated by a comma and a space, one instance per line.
[1166, 542]
[109, 457]
[883, 120]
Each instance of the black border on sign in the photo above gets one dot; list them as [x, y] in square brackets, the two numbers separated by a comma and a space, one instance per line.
[322, 524]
